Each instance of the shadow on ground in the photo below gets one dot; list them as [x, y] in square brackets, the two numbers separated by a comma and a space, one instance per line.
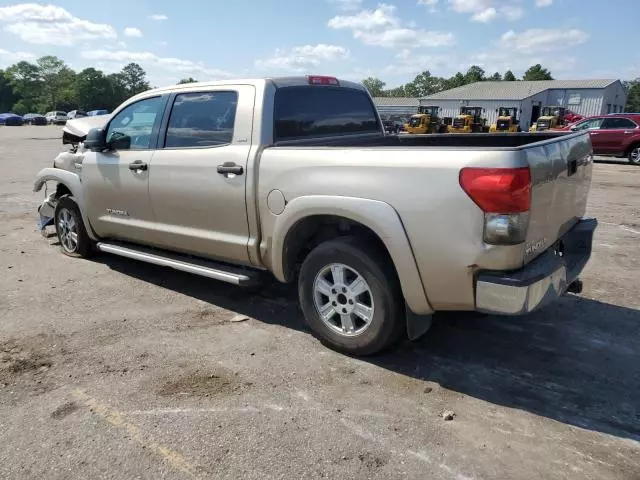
[577, 361]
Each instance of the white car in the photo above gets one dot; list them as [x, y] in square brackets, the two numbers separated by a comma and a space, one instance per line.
[73, 114]
[59, 118]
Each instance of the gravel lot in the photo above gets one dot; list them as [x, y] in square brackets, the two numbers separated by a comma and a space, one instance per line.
[116, 369]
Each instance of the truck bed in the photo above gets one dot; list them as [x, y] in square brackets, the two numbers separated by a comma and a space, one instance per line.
[452, 140]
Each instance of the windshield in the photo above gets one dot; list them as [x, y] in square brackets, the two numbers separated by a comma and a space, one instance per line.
[506, 112]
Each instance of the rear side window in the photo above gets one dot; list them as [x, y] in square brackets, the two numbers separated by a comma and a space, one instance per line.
[202, 119]
[303, 112]
[615, 123]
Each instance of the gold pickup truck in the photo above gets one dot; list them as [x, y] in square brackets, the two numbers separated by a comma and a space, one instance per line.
[295, 176]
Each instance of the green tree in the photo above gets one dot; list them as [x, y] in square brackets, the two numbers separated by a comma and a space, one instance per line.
[134, 79]
[633, 96]
[474, 74]
[509, 76]
[24, 78]
[496, 77]
[457, 80]
[49, 72]
[426, 84]
[375, 86]
[7, 95]
[537, 72]
[187, 80]
[92, 89]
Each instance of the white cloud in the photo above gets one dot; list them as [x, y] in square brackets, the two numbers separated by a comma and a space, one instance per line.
[537, 40]
[150, 60]
[7, 57]
[485, 16]
[51, 25]
[430, 3]
[383, 16]
[381, 27]
[486, 11]
[346, 5]
[299, 59]
[543, 3]
[132, 32]
[158, 17]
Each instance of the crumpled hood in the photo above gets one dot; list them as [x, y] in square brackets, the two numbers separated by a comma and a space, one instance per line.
[75, 131]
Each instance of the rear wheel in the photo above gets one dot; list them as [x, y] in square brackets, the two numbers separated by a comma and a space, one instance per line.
[351, 297]
[634, 155]
[71, 231]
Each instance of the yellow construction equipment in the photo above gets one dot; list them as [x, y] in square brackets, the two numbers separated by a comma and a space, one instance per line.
[507, 121]
[469, 121]
[552, 117]
[425, 121]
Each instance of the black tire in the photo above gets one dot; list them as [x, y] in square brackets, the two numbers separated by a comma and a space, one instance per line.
[634, 155]
[387, 325]
[83, 246]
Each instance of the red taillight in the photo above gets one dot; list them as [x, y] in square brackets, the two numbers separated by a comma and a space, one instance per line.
[322, 80]
[498, 190]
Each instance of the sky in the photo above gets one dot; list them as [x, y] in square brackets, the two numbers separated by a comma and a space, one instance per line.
[393, 40]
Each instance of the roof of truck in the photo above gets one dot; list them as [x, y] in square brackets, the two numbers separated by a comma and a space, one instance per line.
[278, 81]
[516, 90]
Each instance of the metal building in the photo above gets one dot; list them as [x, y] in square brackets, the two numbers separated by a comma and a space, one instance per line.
[396, 105]
[585, 97]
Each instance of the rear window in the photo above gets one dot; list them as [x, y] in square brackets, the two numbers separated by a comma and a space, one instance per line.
[303, 112]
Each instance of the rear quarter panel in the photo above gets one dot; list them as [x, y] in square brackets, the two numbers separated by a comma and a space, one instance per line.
[443, 225]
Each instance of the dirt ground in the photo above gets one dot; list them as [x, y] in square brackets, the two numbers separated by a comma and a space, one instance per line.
[115, 369]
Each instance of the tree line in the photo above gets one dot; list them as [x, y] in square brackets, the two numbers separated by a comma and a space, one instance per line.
[425, 83]
[49, 84]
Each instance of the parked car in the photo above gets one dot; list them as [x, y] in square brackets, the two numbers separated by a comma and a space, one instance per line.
[613, 135]
[76, 114]
[10, 119]
[295, 176]
[34, 119]
[95, 113]
[59, 118]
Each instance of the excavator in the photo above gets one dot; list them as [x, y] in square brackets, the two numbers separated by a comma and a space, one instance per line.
[507, 121]
[469, 121]
[553, 116]
[425, 121]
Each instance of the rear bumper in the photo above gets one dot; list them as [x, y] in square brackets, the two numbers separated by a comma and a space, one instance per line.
[540, 282]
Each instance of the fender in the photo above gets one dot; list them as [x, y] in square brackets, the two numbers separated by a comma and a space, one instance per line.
[73, 183]
[378, 216]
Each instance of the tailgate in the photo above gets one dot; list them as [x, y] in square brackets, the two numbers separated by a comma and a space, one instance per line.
[561, 177]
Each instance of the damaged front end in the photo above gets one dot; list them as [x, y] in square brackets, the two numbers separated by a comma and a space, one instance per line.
[74, 133]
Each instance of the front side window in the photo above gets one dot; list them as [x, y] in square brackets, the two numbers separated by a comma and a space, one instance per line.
[618, 123]
[202, 119]
[132, 127]
[594, 123]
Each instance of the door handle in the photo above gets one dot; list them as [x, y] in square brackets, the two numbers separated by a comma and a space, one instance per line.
[138, 165]
[628, 133]
[230, 168]
[593, 133]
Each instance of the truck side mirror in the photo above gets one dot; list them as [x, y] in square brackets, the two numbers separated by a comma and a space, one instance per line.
[96, 140]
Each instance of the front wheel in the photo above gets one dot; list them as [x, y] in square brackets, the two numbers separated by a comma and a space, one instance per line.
[71, 231]
[351, 297]
[634, 155]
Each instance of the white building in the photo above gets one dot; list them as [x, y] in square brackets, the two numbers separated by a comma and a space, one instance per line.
[402, 106]
[585, 97]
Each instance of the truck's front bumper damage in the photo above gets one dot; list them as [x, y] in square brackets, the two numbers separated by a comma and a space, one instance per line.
[540, 282]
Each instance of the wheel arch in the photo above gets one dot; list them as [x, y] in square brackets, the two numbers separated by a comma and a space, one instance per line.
[299, 223]
[67, 183]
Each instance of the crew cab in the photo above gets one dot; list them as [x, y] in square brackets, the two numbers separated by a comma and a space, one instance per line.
[616, 135]
[295, 177]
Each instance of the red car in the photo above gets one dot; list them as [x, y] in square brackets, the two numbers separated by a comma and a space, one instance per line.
[613, 135]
